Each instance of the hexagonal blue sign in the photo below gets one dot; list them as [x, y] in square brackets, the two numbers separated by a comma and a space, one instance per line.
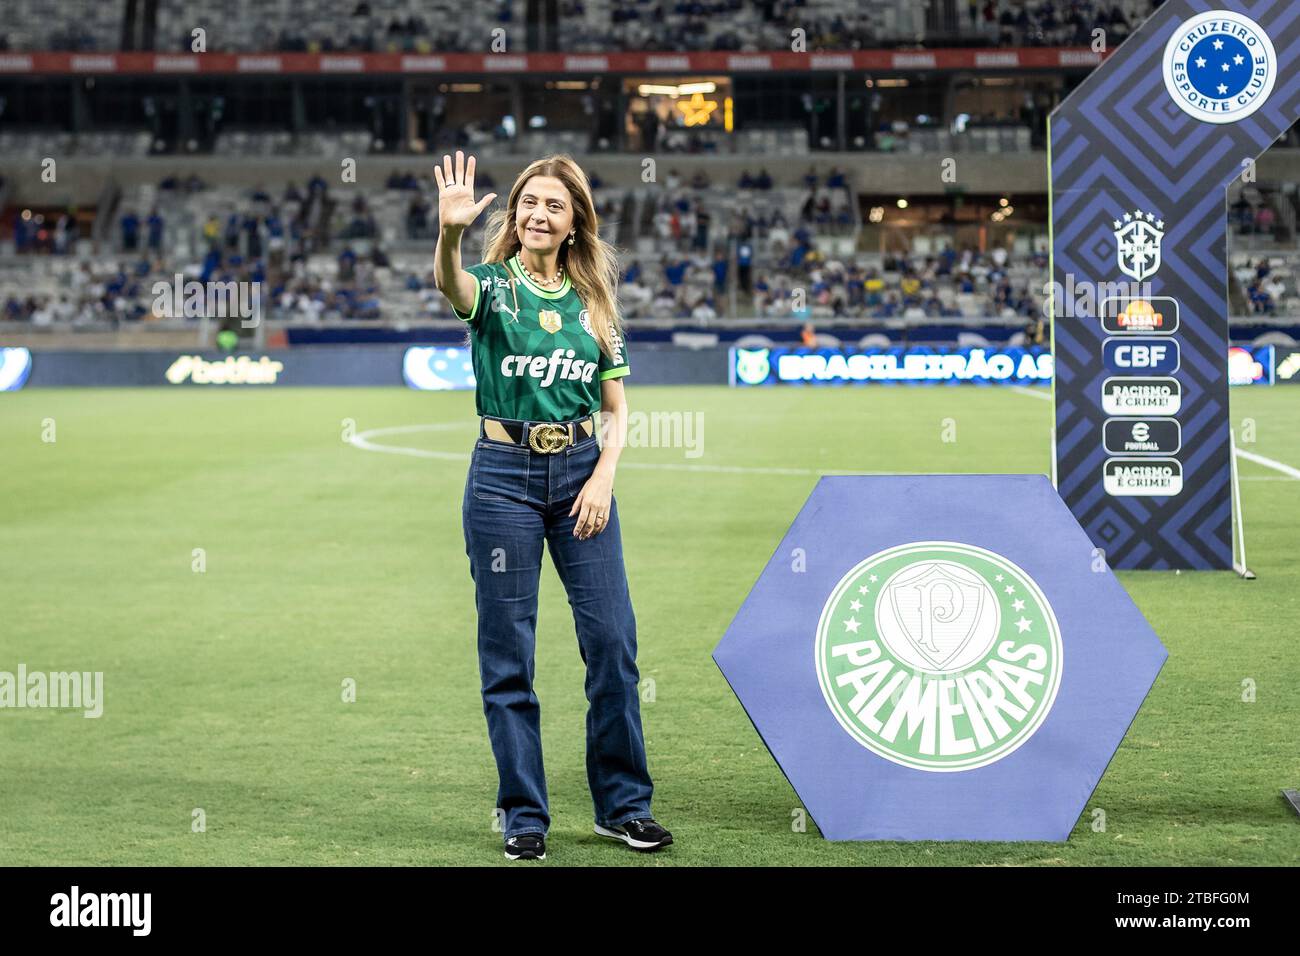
[940, 657]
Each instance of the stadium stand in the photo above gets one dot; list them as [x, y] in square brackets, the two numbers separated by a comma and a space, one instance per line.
[774, 246]
[580, 25]
[693, 252]
[69, 25]
[311, 26]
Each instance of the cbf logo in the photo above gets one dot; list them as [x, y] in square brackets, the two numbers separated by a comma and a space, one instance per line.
[1138, 237]
[1220, 66]
[938, 656]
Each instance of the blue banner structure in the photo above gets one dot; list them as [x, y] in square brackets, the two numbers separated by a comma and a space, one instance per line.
[437, 368]
[893, 366]
[272, 368]
[1141, 155]
[15, 367]
[1287, 366]
[939, 657]
[1255, 366]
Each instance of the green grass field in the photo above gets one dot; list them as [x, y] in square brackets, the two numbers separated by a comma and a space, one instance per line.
[325, 562]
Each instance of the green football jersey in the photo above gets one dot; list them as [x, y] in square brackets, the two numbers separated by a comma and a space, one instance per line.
[535, 357]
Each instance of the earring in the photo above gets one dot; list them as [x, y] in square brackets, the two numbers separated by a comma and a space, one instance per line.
[571, 235]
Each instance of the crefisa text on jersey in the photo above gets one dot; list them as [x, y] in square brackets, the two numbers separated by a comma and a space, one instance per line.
[537, 366]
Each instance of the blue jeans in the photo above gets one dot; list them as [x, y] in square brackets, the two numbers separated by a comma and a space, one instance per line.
[516, 498]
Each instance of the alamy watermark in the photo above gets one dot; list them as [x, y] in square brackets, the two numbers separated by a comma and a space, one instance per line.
[129, 910]
[657, 429]
[179, 299]
[59, 690]
[1075, 300]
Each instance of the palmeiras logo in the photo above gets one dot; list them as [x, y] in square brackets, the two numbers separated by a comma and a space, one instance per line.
[1138, 237]
[1220, 66]
[939, 656]
[584, 319]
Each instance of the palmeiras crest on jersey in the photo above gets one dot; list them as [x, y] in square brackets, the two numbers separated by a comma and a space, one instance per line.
[584, 319]
[939, 656]
[1137, 237]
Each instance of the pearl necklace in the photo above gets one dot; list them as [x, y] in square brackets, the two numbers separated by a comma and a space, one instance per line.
[537, 279]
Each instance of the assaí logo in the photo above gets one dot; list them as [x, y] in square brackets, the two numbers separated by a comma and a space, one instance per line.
[561, 364]
[938, 656]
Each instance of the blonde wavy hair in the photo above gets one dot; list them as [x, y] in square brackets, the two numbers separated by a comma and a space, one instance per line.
[591, 262]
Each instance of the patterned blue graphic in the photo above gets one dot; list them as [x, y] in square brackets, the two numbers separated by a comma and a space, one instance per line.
[853, 791]
[1128, 140]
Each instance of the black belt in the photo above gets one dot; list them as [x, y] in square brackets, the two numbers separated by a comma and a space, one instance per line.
[544, 437]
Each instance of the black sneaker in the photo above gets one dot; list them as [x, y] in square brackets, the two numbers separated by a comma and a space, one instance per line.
[644, 835]
[526, 846]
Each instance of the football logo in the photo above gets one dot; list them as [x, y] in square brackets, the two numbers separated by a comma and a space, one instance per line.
[550, 320]
[1220, 66]
[584, 319]
[938, 656]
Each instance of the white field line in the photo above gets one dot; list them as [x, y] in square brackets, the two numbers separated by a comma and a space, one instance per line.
[1292, 474]
[1032, 392]
[364, 440]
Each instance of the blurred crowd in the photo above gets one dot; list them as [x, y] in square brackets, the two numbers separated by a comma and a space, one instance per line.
[366, 31]
[686, 25]
[362, 26]
[1057, 22]
[692, 250]
[804, 283]
[1266, 292]
[269, 240]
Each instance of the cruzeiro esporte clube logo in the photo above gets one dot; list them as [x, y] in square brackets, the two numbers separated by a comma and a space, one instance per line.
[1220, 66]
[939, 656]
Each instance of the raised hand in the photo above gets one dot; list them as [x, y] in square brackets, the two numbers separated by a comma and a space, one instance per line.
[457, 209]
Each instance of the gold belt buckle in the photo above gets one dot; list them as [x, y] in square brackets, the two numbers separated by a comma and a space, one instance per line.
[548, 438]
